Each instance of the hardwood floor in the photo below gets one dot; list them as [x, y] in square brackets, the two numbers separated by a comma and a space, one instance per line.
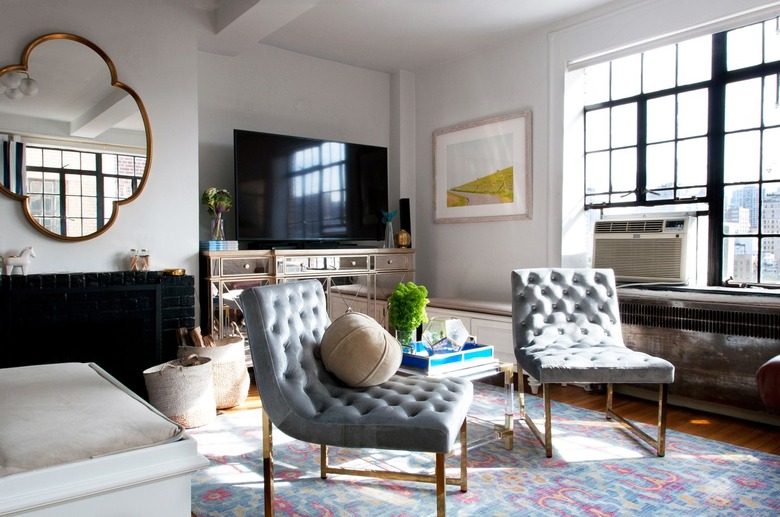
[752, 435]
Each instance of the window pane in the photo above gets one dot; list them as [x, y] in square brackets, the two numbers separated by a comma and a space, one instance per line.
[740, 259]
[624, 125]
[741, 160]
[771, 101]
[660, 119]
[624, 170]
[71, 160]
[109, 164]
[770, 164]
[89, 207]
[694, 58]
[33, 156]
[88, 161]
[52, 158]
[770, 272]
[743, 104]
[692, 113]
[72, 207]
[660, 166]
[659, 68]
[597, 172]
[597, 130]
[770, 209]
[740, 213]
[743, 47]
[626, 75]
[772, 40]
[73, 184]
[596, 83]
[692, 162]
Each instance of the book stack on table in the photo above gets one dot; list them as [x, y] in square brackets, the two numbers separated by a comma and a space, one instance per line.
[472, 359]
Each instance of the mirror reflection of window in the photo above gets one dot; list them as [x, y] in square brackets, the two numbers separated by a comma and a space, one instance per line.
[82, 185]
[317, 188]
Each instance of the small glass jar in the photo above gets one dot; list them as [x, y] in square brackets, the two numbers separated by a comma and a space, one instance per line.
[144, 262]
[133, 259]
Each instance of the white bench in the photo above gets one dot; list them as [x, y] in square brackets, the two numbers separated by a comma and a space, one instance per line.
[75, 441]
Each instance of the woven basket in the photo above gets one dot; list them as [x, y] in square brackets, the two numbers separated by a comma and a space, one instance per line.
[185, 394]
[229, 371]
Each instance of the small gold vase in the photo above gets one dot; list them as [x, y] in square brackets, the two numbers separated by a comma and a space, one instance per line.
[403, 239]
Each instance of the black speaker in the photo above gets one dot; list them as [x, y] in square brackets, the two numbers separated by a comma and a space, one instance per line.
[406, 219]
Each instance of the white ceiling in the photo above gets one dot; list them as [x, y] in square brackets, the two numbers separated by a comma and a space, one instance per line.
[382, 35]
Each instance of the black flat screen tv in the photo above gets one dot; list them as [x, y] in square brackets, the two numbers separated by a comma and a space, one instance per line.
[293, 191]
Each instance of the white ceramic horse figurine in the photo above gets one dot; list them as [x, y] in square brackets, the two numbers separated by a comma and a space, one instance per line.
[22, 260]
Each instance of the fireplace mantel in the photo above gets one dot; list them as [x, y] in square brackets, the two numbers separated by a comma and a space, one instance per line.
[123, 321]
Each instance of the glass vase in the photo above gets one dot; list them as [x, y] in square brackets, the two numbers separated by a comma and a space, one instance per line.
[404, 336]
[217, 228]
[389, 236]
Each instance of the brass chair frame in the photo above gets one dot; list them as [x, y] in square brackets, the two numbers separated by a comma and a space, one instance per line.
[658, 443]
[439, 476]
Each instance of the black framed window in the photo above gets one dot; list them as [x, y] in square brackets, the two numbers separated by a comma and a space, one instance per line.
[694, 127]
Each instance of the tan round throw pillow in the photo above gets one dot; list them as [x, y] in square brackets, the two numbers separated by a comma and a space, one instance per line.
[359, 351]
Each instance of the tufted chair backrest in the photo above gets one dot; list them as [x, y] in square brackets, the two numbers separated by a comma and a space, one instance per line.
[285, 323]
[564, 306]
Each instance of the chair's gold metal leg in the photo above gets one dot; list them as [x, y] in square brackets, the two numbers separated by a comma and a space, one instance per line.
[464, 448]
[545, 440]
[323, 461]
[441, 503]
[521, 391]
[268, 465]
[547, 422]
[659, 443]
[663, 391]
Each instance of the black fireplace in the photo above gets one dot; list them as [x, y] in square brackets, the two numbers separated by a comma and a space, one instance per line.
[125, 322]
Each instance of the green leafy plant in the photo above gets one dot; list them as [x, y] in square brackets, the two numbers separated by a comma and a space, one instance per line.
[406, 306]
[218, 201]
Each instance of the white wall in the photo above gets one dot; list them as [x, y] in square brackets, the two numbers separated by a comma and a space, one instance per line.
[154, 50]
[276, 91]
[474, 260]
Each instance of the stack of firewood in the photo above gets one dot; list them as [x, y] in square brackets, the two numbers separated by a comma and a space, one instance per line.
[193, 337]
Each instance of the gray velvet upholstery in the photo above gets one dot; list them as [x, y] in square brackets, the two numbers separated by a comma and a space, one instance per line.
[566, 329]
[286, 323]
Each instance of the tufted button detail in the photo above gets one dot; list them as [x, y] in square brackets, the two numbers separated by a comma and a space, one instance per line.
[560, 331]
[584, 331]
[555, 306]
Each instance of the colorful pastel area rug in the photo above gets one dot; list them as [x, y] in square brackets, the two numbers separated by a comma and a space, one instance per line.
[597, 469]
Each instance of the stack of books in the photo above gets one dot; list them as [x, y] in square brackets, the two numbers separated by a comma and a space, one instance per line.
[218, 245]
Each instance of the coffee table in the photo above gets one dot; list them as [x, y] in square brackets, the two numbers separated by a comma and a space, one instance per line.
[505, 430]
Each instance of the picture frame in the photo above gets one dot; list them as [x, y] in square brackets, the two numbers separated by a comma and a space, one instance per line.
[482, 170]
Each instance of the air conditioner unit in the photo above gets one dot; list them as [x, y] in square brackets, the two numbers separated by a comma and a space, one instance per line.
[660, 250]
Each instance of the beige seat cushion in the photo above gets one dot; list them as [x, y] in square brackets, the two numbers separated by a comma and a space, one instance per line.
[58, 413]
[359, 351]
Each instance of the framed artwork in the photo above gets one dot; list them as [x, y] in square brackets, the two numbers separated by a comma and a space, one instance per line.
[482, 170]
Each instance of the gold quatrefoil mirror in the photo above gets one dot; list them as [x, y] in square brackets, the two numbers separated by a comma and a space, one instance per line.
[76, 142]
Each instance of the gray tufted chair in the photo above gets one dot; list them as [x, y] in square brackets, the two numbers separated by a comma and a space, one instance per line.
[285, 324]
[566, 329]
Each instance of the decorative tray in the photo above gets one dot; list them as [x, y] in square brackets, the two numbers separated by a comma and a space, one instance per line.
[471, 354]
